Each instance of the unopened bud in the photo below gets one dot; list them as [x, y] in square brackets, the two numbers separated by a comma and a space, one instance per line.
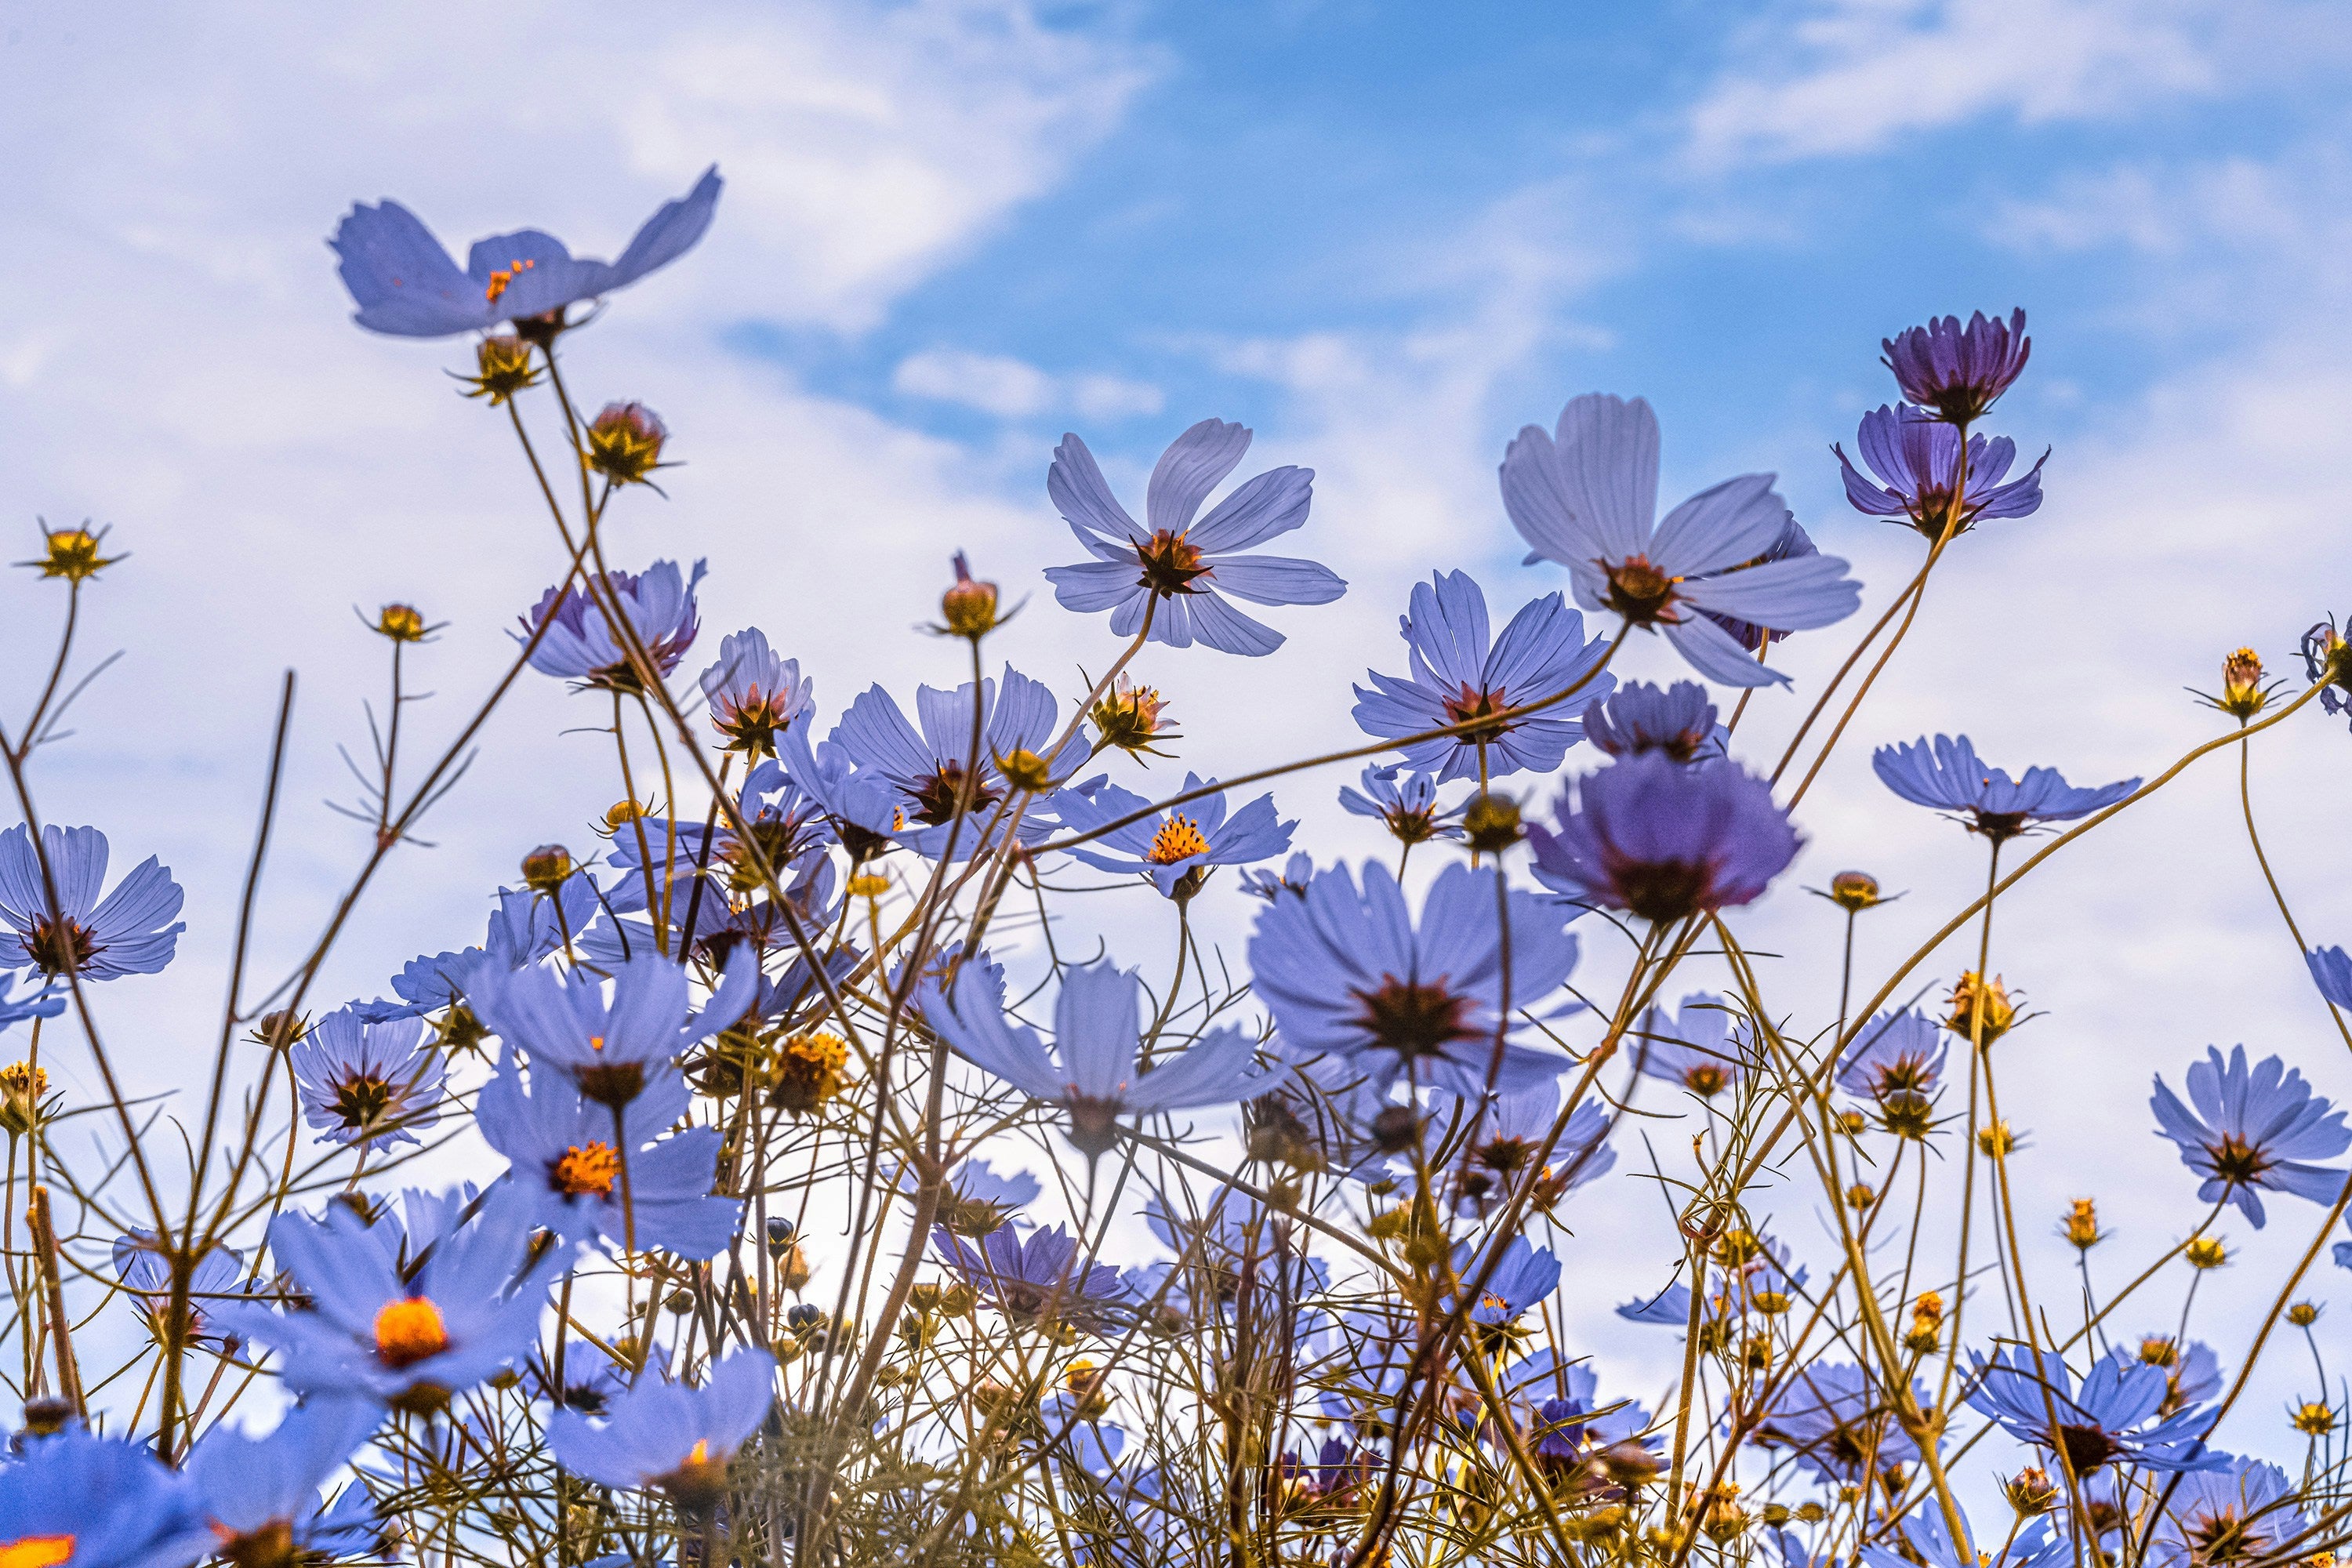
[1491, 822]
[620, 813]
[2030, 1492]
[2302, 1315]
[1395, 1130]
[545, 868]
[969, 606]
[2242, 684]
[502, 368]
[2207, 1252]
[624, 443]
[1981, 1009]
[2081, 1225]
[1855, 890]
[1026, 770]
[70, 554]
[400, 623]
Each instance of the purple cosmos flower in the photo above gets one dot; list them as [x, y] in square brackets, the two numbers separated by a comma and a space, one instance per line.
[1571, 1419]
[1296, 873]
[1349, 975]
[2034, 1546]
[82, 1501]
[124, 933]
[2252, 1128]
[1944, 773]
[666, 1434]
[2331, 971]
[2192, 1371]
[1916, 459]
[374, 1085]
[977, 1199]
[405, 283]
[2328, 658]
[925, 770]
[526, 927]
[1461, 672]
[1174, 569]
[566, 1152]
[405, 1339]
[261, 1494]
[219, 1275]
[1041, 1278]
[580, 644]
[1178, 848]
[1523, 1277]
[1793, 544]
[1701, 1048]
[1959, 371]
[1406, 802]
[1678, 722]
[2113, 1417]
[2243, 1510]
[861, 807]
[1513, 1128]
[1664, 840]
[44, 1002]
[1092, 1072]
[1894, 1053]
[1587, 499]
[1840, 1423]
[752, 693]
[612, 1050]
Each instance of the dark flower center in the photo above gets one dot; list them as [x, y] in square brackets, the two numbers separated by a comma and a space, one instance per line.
[1998, 825]
[271, 1546]
[2222, 1538]
[1904, 1075]
[1507, 1155]
[1094, 1124]
[1662, 890]
[1169, 564]
[1639, 591]
[1706, 1079]
[1477, 705]
[1410, 827]
[2087, 1447]
[1682, 744]
[612, 1083]
[361, 1101]
[936, 799]
[56, 947]
[1020, 1298]
[2235, 1160]
[1413, 1019]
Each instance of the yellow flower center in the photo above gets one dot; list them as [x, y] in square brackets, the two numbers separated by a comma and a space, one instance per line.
[1179, 838]
[36, 1552]
[409, 1330]
[586, 1170]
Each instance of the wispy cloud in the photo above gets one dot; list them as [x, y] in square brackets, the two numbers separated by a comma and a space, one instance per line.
[1014, 389]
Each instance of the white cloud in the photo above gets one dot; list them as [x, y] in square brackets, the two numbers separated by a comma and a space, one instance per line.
[1014, 389]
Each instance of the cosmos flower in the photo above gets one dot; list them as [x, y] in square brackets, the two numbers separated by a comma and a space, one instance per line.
[2252, 1128]
[1176, 848]
[613, 1050]
[1406, 802]
[1507, 1138]
[471, 1308]
[1700, 1048]
[80, 1501]
[1092, 1072]
[1958, 372]
[580, 644]
[1523, 1277]
[1296, 873]
[219, 1275]
[406, 285]
[374, 1085]
[565, 1151]
[526, 927]
[861, 807]
[752, 693]
[1038, 1279]
[1894, 1053]
[261, 1495]
[1349, 974]
[925, 768]
[1570, 1417]
[2192, 1371]
[1944, 773]
[2113, 1417]
[1460, 671]
[1930, 1540]
[1917, 455]
[2242, 1510]
[2328, 658]
[976, 1199]
[2331, 971]
[1664, 840]
[666, 1434]
[1175, 569]
[130, 932]
[1840, 1423]
[1678, 722]
[1587, 498]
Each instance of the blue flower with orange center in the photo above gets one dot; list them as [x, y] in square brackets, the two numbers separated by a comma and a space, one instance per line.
[1958, 372]
[923, 765]
[1179, 570]
[670, 1435]
[1461, 673]
[1892, 1053]
[1522, 1277]
[1175, 848]
[611, 1049]
[75, 1500]
[130, 930]
[2252, 1129]
[752, 692]
[1699, 1047]
[1839, 1421]
[406, 284]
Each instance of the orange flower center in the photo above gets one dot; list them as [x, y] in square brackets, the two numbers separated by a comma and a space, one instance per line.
[36, 1552]
[409, 1330]
[503, 278]
[586, 1170]
[1179, 838]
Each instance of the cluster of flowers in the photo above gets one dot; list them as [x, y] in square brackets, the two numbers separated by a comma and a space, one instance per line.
[785, 1006]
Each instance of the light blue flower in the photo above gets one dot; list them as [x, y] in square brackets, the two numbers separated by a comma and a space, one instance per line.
[2253, 1127]
[2245, 1505]
[667, 1434]
[1894, 1053]
[1408, 808]
[1946, 773]
[1679, 721]
[374, 1085]
[578, 643]
[1178, 846]
[106, 1500]
[2114, 1417]
[259, 1492]
[1040, 1279]
[129, 932]
[1698, 1047]
[924, 768]
[1915, 457]
[613, 1049]
[1664, 840]
[751, 692]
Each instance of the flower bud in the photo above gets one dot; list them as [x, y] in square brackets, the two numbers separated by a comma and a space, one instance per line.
[46, 1416]
[2302, 1315]
[2242, 684]
[624, 443]
[957, 1300]
[2081, 1225]
[2207, 1252]
[1132, 718]
[1860, 1196]
[1026, 770]
[810, 1070]
[400, 623]
[22, 1088]
[780, 1232]
[2314, 1419]
[869, 885]
[545, 868]
[1854, 891]
[969, 606]
[71, 553]
[1997, 1140]
[1981, 1009]
[2030, 1492]
[620, 813]
[1491, 822]
[502, 367]
[1395, 1130]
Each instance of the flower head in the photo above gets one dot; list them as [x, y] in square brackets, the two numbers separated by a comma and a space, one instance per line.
[1958, 372]
[921, 770]
[2114, 1417]
[1176, 848]
[1929, 1542]
[666, 1434]
[624, 443]
[969, 606]
[97, 939]
[1093, 1071]
[1664, 840]
[75, 1500]
[1894, 1054]
[2328, 660]
[1507, 1138]
[502, 367]
[1409, 807]
[1296, 873]
[1840, 1423]
[576, 640]
[1702, 1047]
[1044, 1279]
[1520, 1279]
[1349, 974]
[1944, 773]
[1917, 455]
[405, 283]
[1134, 718]
[2252, 1128]
[1178, 571]
[2243, 1511]
[613, 1050]
[371, 1084]
[1587, 498]
[1460, 673]
[71, 553]
[1678, 722]
[219, 1275]
[261, 1495]
[752, 693]
[43, 1001]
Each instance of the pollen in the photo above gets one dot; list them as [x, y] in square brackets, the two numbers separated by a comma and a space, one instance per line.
[1179, 838]
[587, 1170]
[36, 1552]
[810, 1070]
[503, 278]
[409, 1330]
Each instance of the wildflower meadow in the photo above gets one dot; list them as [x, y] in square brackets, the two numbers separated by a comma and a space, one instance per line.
[932, 1125]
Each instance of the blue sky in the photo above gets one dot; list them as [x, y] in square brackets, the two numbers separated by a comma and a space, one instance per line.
[1385, 235]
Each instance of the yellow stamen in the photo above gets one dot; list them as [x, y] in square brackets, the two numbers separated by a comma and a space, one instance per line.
[36, 1552]
[1179, 838]
[586, 1170]
[409, 1330]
